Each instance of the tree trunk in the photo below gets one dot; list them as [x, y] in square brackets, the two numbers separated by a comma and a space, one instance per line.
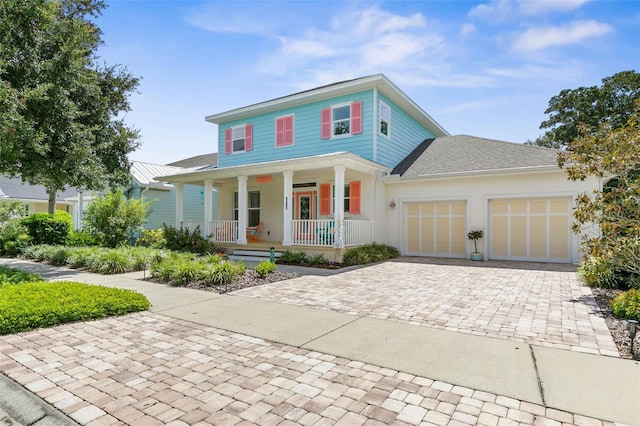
[52, 201]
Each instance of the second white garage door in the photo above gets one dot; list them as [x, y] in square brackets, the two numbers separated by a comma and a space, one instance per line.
[436, 228]
[536, 229]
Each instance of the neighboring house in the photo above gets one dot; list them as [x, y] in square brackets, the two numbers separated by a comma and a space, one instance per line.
[358, 161]
[163, 194]
[36, 199]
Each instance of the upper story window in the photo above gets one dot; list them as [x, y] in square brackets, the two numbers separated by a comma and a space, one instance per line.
[385, 119]
[238, 139]
[341, 120]
[284, 131]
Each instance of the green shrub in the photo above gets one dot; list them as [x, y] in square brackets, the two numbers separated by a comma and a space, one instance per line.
[10, 275]
[152, 238]
[184, 240]
[13, 237]
[264, 268]
[44, 228]
[221, 273]
[114, 219]
[598, 271]
[82, 238]
[369, 253]
[10, 209]
[318, 259]
[26, 306]
[294, 257]
[627, 305]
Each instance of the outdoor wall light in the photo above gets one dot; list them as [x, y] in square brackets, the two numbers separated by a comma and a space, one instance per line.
[392, 204]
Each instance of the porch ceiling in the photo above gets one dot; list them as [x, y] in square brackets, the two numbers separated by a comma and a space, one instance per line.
[299, 166]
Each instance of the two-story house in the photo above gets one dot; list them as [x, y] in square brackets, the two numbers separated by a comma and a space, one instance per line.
[358, 161]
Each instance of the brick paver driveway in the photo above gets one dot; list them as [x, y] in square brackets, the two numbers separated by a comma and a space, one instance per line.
[146, 369]
[540, 304]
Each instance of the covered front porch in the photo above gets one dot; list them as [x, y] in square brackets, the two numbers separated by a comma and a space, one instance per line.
[327, 201]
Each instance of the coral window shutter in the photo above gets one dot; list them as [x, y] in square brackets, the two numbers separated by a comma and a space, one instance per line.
[248, 137]
[356, 118]
[325, 198]
[227, 141]
[326, 123]
[288, 131]
[280, 132]
[354, 197]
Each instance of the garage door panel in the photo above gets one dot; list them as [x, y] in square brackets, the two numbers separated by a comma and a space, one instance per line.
[535, 229]
[413, 234]
[518, 236]
[538, 236]
[436, 228]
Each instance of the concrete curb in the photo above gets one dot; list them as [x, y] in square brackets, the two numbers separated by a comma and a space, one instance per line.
[18, 407]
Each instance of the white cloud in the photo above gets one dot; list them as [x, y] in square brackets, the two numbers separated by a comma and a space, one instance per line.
[498, 11]
[542, 6]
[573, 32]
[467, 29]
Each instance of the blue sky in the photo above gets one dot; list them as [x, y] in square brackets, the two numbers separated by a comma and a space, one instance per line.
[482, 68]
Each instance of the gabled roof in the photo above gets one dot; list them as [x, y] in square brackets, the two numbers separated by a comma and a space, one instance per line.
[197, 161]
[144, 173]
[15, 188]
[463, 154]
[378, 81]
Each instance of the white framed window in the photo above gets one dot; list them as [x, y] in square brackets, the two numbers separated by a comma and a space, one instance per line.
[385, 119]
[253, 207]
[341, 120]
[238, 139]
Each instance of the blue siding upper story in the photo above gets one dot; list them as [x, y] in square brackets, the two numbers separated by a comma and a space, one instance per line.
[406, 133]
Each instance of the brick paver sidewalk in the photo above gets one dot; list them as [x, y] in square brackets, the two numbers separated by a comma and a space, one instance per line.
[540, 304]
[148, 369]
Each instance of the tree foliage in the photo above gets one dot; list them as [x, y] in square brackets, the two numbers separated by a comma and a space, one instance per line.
[114, 219]
[10, 209]
[611, 103]
[60, 111]
[612, 154]
[544, 141]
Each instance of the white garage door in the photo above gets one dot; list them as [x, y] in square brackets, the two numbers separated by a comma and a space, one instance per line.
[436, 228]
[536, 229]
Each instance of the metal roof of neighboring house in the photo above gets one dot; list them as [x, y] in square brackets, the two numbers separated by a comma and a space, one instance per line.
[197, 161]
[15, 188]
[461, 154]
[144, 173]
[378, 81]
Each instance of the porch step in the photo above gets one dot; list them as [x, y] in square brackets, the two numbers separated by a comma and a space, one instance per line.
[253, 255]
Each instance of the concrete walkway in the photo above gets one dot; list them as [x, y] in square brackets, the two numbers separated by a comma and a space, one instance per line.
[268, 362]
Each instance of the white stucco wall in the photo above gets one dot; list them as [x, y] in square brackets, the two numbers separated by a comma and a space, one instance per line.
[477, 191]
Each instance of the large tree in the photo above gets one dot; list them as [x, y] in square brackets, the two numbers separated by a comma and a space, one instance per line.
[612, 154]
[611, 103]
[61, 111]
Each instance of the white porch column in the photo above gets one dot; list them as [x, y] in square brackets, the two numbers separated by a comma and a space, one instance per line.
[242, 210]
[338, 206]
[208, 207]
[179, 204]
[287, 208]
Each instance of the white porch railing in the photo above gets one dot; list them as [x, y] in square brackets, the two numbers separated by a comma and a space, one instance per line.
[358, 232]
[322, 232]
[317, 232]
[224, 231]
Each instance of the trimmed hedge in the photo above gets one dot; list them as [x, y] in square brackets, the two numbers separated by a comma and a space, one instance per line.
[29, 305]
[627, 305]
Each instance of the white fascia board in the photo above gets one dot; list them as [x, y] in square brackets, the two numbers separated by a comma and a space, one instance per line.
[518, 170]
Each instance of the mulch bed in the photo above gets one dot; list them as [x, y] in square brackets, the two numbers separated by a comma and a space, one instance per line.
[619, 328]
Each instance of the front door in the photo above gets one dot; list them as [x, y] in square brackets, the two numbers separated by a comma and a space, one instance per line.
[305, 212]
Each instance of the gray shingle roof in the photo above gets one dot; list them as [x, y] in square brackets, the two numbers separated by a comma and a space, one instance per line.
[463, 153]
[15, 188]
